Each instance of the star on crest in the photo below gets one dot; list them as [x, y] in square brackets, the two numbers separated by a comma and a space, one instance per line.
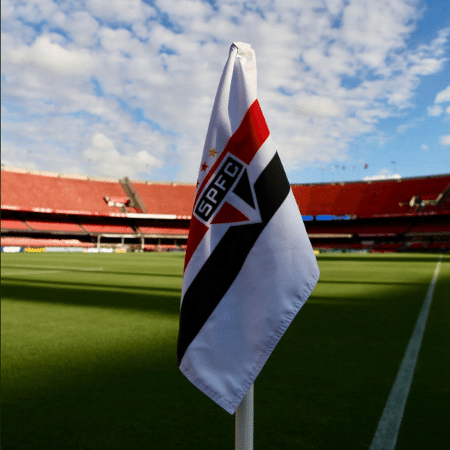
[204, 167]
[213, 152]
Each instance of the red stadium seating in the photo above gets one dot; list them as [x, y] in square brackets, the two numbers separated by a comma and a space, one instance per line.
[417, 245]
[100, 228]
[168, 231]
[388, 247]
[436, 227]
[387, 198]
[32, 192]
[384, 198]
[439, 245]
[348, 227]
[161, 247]
[316, 200]
[54, 226]
[174, 199]
[364, 213]
[37, 242]
[12, 224]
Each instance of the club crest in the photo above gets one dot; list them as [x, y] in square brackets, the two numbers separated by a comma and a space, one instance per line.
[228, 197]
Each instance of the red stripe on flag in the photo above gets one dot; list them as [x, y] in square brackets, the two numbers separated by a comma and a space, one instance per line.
[245, 142]
[250, 135]
[197, 231]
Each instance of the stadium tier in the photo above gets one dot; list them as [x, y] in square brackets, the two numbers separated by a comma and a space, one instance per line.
[386, 215]
[107, 228]
[384, 198]
[42, 243]
[438, 226]
[163, 231]
[54, 226]
[59, 194]
[390, 228]
[12, 224]
[167, 199]
[65, 194]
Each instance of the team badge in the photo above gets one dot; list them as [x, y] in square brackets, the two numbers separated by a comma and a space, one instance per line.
[229, 196]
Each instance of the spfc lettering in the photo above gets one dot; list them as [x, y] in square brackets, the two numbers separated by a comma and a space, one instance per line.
[218, 188]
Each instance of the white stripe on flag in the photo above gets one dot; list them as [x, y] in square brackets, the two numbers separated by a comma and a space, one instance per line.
[236, 341]
[249, 264]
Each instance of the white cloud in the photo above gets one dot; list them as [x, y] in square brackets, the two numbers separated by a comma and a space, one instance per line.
[109, 161]
[35, 11]
[127, 11]
[443, 96]
[80, 26]
[434, 111]
[425, 147]
[318, 106]
[49, 55]
[445, 140]
[425, 66]
[383, 174]
[414, 123]
[99, 68]
[17, 156]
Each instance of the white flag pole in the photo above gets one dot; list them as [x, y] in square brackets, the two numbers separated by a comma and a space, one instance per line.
[244, 422]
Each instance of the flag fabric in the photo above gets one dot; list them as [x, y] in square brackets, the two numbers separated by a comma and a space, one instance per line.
[249, 265]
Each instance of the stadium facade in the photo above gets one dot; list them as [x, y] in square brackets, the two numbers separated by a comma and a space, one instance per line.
[50, 211]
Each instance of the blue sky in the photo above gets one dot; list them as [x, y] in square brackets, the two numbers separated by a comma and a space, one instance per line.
[351, 89]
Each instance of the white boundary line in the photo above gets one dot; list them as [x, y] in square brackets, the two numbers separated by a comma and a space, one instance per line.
[389, 425]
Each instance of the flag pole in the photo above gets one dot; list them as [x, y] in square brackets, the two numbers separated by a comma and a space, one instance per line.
[244, 422]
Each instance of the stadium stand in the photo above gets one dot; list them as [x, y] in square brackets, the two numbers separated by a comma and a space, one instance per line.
[369, 199]
[33, 242]
[410, 214]
[61, 194]
[13, 224]
[55, 226]
[107, 228]
[439, 245]
[167, 199]
[163, 231]
[365, 228]
[387, 247]
[436, 227]
[417, 245]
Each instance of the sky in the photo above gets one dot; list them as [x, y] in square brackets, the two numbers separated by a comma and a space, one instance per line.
[350, 89]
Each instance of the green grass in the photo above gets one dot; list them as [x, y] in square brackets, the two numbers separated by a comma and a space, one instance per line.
[88, 357]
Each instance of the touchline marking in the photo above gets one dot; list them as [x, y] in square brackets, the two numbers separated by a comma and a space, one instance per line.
[389, 425]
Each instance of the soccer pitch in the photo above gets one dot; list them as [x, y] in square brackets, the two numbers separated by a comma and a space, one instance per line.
[89, 357]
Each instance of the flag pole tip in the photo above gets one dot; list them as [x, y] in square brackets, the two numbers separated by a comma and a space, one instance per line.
[241, 46]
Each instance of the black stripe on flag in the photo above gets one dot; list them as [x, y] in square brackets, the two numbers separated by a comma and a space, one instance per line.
[225, 262]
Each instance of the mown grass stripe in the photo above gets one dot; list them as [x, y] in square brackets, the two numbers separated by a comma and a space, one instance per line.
[29, 272]
[386, 435]
[59, 268]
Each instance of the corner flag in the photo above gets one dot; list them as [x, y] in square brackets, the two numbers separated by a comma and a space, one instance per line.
[249, 265]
